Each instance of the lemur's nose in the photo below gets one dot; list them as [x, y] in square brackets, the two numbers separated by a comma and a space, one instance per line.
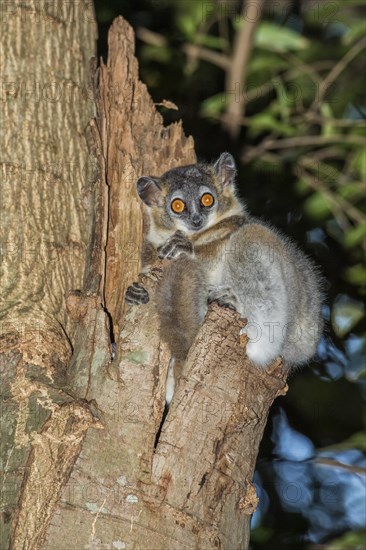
[196, 220]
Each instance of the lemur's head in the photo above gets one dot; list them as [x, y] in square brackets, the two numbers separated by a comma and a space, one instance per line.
[191, 198]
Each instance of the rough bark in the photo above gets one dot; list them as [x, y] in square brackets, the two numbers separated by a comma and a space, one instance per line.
[46, 173]
[135, 142]
[85, 442]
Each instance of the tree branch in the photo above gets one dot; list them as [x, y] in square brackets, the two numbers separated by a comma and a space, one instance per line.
[236, 73]
[191, 50]
[336, 464]
[273, 144]
[342, 205]
[339, 68]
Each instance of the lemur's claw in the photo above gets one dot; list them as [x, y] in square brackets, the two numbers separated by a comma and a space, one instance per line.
[224, 297]
[136, 294]
[175, 246]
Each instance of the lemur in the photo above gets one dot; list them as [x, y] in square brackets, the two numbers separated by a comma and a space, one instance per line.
[219, 252]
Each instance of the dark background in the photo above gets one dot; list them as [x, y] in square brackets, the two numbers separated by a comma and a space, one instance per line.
[312, 491]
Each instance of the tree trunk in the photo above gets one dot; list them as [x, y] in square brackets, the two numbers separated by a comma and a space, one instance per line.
[47, 175]
[89, 462]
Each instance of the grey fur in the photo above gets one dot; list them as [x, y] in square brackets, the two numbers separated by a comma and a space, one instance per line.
[234, 259]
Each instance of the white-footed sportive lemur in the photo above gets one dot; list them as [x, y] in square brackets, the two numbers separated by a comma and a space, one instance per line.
[220, 253]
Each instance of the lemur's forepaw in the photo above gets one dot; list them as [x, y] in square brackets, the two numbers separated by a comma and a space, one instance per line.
[175, 246]
[136, 294]
[224, 297]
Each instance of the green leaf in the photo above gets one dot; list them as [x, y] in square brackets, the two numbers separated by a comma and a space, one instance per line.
[346, 313]
[272, 37]
[284, 101]
[302, 187]
[261, 534]
[189, 19]
[215, 42]
[327, 128]
[317, 206]
[355, 236]
[214, 105]
[359, 163]
[356, 275]
[352, 191]
[356, 441]
[354, 540]
[161, 54]
[262, 63]
[354, 33]
[187, 26]
[266, 121]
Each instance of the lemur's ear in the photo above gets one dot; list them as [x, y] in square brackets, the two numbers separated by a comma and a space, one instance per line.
[149, 190]
[225, 168]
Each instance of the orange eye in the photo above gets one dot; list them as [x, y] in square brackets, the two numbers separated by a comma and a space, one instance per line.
[207, 199]
[178, 206]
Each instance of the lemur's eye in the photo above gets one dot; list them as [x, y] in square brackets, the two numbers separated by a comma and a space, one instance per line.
[178, 206]
[207, 199]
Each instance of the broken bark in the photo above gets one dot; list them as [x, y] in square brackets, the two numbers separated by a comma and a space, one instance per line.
[132, 480]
